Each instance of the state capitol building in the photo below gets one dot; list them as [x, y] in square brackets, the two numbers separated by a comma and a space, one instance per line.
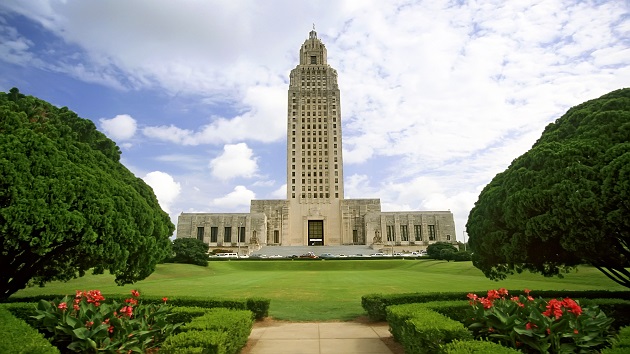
[315, 212]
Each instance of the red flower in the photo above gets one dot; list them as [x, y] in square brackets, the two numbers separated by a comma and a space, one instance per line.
[575, 331]
[526, 291]
[472, 296]
[487, 303]
[529, 298]
[572, 306]
[530, 326]
[493, 295]
[89, 324]
[62, 306]
[503, 292]
[135, 293]
[127, 311]
[76, 307]
[164, 299]
[131, 301]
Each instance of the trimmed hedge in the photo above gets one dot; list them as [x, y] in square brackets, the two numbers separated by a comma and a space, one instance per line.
[421, 330]
[455, 310]
[477, 347]
[185, 314]
[206, 342]
[259, 306]
[19, 337]
[234, 327]
[375, 304]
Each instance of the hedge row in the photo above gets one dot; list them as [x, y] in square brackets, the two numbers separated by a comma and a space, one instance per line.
[421, 330]
[19, 337]
[477, 346]
[375, 304]
[259, 306]
[219, 330]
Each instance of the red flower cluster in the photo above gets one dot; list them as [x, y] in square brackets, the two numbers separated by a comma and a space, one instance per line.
[487, 301]
[92, 297]
[555, 307]
[62, 306]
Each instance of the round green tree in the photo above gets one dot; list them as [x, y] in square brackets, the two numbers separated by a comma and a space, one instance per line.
[435, 250]
[67, 204]
[564, 202]
[191, 251]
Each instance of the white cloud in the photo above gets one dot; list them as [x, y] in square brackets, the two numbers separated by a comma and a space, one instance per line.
[166, 189]
[262, 121]
[239, 197]
[120, 128]
[280, 193]
[237, 160]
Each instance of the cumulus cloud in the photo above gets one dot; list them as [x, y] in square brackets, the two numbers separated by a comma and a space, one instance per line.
[239, 197]
[120, 128]
[237, 160]
[166, 189]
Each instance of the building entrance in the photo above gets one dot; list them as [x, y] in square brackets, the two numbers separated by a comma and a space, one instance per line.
[316, 232]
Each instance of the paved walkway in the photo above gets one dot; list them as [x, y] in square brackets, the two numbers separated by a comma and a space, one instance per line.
[319, 338]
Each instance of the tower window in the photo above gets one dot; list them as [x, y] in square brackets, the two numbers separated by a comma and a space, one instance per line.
[313, 59]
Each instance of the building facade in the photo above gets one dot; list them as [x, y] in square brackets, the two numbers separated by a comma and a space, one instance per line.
[315, 212]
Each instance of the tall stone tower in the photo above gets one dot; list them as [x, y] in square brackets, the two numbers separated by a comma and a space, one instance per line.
[314, 154]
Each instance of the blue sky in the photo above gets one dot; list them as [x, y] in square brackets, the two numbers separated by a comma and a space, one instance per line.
[437, 97]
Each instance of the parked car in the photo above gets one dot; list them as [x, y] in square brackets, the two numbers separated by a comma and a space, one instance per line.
[276, 256]
[377, 255]
[327, 255]
[258, 256]
[227, 255]
[309, 255]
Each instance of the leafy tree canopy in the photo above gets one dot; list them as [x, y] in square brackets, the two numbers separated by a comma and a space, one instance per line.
[66, 202]
[190, 251]
[564, 202]
[435, 250]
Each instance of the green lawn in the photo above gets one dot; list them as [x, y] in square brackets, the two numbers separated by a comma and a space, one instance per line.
[323, 290]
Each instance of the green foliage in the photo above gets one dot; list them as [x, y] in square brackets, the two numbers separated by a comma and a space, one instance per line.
[87, 324]
[186, 314]
[67, 204]
[476, 347]
[435, 250]
[564, 202]
[421, 330]
[375, 304]
[238, 323]
[617, 309]
[538, 326]
[190, 251]
[462, 256]
[257, 305]
[19, 337]
[202, 342]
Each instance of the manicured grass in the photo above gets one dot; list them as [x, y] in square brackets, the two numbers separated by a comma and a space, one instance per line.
[323, 290]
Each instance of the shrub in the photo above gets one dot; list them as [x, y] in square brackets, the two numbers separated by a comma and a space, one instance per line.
[434, 250]
[554, 326]
[259, 306]
[186, 314]
[238, 323]
[375, 304]
[190, 251]
[462, 256]
[206, 342]
[477, 347]
[421, 330]
[87, 324]
[455, 310]
[19, 337]
[617, 309]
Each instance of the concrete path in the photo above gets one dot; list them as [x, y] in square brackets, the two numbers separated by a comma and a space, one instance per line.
[319, 338]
